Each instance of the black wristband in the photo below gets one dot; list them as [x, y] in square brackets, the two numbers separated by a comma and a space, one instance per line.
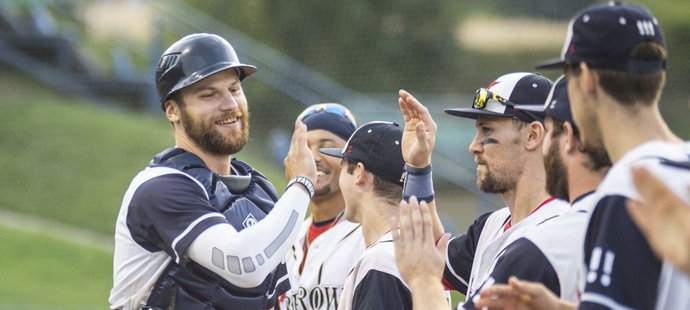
[304, 181]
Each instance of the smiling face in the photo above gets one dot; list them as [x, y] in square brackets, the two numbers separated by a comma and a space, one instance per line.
[214, 114]
[497, 153]
[327, 167]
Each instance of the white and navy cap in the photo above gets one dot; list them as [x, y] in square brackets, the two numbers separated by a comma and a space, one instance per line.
[518, 88]
[603, 36]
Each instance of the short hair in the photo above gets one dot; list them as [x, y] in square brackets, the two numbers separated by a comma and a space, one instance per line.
[631, 87]
[558, 129]
[518, 124]
[177, 97]
[390, 191]
[598, 157]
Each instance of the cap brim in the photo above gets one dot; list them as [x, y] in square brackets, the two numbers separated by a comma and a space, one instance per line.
[247, 70]
[332, 151]
[550, 64]
[472, 113]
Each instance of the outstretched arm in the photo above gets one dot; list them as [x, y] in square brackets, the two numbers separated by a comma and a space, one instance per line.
[245, 258]
[519, 295]
[419, 259]
[419, 138]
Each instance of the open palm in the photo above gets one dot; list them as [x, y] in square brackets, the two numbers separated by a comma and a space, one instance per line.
[419, 134]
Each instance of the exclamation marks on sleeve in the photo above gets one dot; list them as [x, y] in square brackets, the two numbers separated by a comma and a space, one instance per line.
[608, 267]
[594, 264]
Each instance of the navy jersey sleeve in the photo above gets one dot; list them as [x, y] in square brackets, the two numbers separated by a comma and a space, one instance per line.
[461, 252]
[380, 290]
[524, 260]
[622, 271]
[168, 212]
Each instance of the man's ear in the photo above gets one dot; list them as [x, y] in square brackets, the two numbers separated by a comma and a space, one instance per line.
[535, 136]
[172, 111]
[571, 141]
[363, 178]
[588, 80]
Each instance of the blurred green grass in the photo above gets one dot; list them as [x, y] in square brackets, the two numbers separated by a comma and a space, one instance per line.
[43, 272]
[72, 162]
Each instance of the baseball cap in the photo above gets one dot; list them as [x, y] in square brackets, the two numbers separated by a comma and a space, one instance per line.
[604, 35]
[331, 117]
[377, 146]
[504, 93]
[557, 104]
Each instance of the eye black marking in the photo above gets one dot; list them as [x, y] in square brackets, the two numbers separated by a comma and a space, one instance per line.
[489, 141]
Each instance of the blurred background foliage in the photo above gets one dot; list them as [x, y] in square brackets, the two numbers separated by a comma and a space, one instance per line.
[80, 117]
[376, 46]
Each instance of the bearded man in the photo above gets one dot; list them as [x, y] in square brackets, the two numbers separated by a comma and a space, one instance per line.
[198, 229]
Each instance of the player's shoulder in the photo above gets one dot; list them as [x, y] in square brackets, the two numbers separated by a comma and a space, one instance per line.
[558, 230]
[666, 160]
[499, 216]
[164, 179]
[380, 256]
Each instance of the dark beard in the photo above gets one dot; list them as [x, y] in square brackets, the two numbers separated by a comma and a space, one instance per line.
[324, 191]
[207, 137]
[494, 184]
[556, 174]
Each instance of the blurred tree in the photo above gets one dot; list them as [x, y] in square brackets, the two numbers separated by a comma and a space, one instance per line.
[367, 45]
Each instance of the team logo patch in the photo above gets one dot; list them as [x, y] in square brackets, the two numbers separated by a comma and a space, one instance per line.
[249, 221]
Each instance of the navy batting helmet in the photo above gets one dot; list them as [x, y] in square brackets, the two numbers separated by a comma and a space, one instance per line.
[194, 58]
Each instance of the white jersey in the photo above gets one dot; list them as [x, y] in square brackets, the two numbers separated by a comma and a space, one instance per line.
[622, 271]
[329, 260]
[469, 257]
[547, 253]
[375, 282]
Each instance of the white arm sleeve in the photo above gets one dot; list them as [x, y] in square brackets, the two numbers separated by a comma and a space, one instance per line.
[245, 258]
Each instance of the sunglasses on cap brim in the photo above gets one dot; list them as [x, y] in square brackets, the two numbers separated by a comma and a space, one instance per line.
[481, 100]
[333, 108]
[483, 95]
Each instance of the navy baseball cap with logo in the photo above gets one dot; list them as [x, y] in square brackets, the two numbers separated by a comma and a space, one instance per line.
[377, 146]
[604, 35]
[500, 98]
[556, 106]
[331, 117]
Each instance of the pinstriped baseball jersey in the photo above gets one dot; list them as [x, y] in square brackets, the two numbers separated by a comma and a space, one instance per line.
[469, 257]
[622, 271]
[329, 260]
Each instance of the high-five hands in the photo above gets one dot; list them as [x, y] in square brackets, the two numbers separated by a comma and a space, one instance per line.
[419, 134]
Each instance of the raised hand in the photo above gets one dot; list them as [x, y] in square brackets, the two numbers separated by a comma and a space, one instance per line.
[419, 134]
[299, 160]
